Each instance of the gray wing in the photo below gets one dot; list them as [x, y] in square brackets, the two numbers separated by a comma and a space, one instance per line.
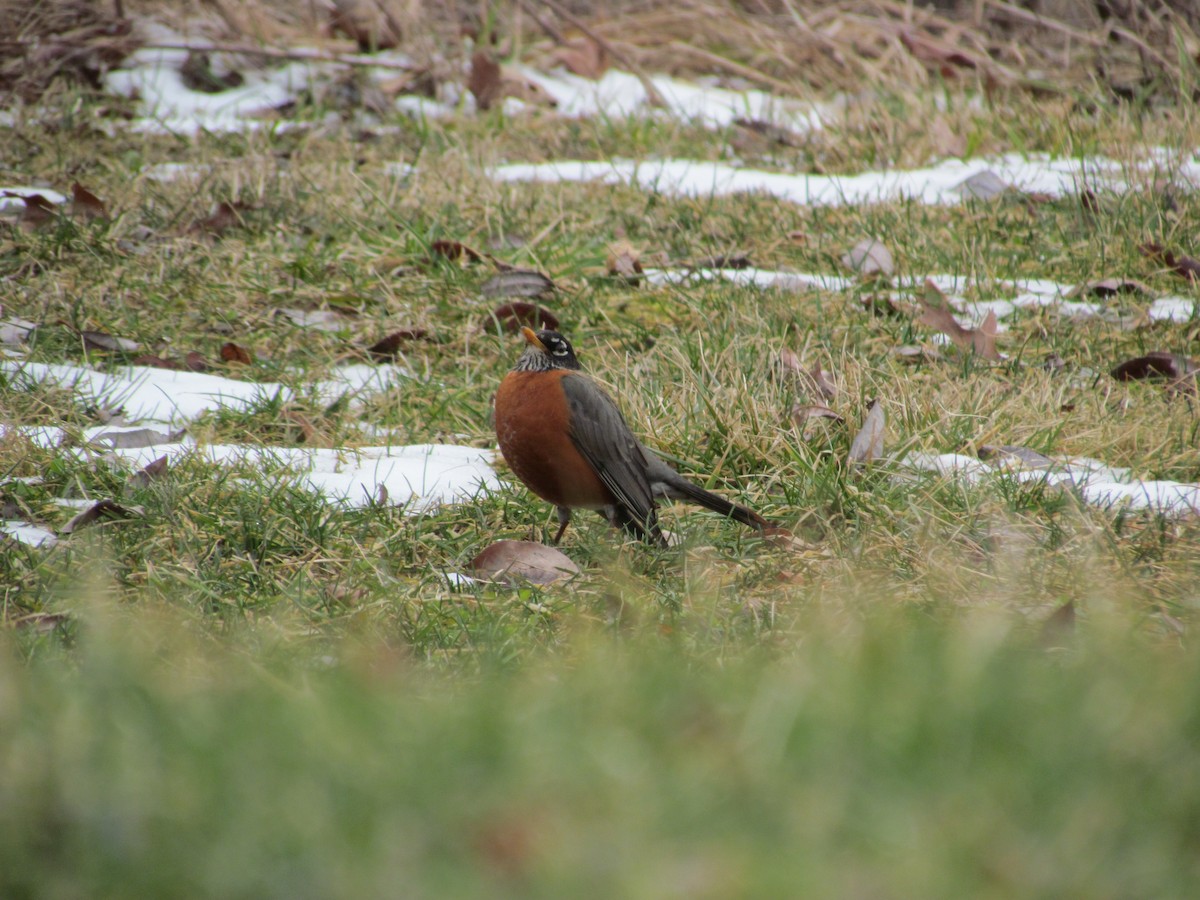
[600, 433]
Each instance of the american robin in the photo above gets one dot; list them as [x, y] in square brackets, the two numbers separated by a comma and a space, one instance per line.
[565, 438]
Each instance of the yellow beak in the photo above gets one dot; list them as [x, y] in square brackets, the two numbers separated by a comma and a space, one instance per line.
[532, 338]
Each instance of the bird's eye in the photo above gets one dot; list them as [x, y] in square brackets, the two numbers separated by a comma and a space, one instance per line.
[559, 350]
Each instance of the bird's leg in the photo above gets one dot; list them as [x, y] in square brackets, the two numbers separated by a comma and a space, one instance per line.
[564, 519]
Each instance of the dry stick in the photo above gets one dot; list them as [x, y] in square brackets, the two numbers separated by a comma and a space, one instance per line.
[734, 67]
[652, 93]
[554, 33]
[1032, 18]
[272, 53]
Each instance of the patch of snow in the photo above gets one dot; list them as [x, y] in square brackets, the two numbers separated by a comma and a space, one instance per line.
[934, 185]
[164, 395]
[621, 95]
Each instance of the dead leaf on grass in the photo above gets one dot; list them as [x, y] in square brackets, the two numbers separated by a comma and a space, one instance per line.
[104, 509]
[624, 262]
[941, 55]
[1110, 287]
[881, 305]
[455, 251]
[518, 283]
[984, 185]
[227, 215]
[86, 205]
[150, 472]
[1177, 370]
[484, 80]
[387, 347]
[1183, 266]
[868, 443]
[937, 314]
[37, 213]
[513, 316]
[41, 622]
[582, 56]
[513, 562]
[98, 340]
[196, 73]
[235, 353]
[734, 261]
[869, 258]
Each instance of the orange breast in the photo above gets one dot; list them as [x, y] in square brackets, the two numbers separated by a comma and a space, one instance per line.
[534, 430]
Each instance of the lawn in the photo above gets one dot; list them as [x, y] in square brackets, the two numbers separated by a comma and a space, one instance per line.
[935, 682]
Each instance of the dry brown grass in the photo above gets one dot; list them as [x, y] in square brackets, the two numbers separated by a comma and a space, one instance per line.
[1131, 49]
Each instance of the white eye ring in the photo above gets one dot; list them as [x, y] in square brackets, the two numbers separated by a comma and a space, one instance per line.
[559, 351]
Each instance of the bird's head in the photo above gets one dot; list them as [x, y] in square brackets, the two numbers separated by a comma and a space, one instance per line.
[546, 350]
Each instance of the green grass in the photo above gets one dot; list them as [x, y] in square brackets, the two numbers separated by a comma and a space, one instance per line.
[244, 691]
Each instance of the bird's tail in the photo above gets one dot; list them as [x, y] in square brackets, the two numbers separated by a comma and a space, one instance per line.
[680, 488]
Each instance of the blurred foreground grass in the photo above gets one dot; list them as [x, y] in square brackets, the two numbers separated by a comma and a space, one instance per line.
[900, 756]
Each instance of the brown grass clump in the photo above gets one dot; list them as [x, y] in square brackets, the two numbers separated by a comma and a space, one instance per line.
[1131, 49]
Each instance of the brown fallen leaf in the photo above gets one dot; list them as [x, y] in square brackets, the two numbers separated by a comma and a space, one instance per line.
[371, 32]
[582, 56]
[150, 472]
[1178, 371]
[513, 562]
[98, 340]
[869, 258]
[880, 305]
[912, 353]
[936, 313]
[803, 418]
[1183, 266]
[37, 213]
[624, 262]
[227, 215]
[86, 205]
[484, 80]
[518, 283]
[302, 423]
[195, 362]
[1110, 287]
[984, 185]
[868, 443]
[158, 362]
[513, 316]
[941, 55]
[104, 509]
[723, 261]
[387, 347]
[455, 251]
[196, 73]
[41, 622]
[820, 381]
[233, 353]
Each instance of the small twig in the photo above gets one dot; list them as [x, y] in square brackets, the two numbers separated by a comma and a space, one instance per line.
[1031, 18]
[273, 53]
[735, 67]
[652, 93]
[553, 33]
